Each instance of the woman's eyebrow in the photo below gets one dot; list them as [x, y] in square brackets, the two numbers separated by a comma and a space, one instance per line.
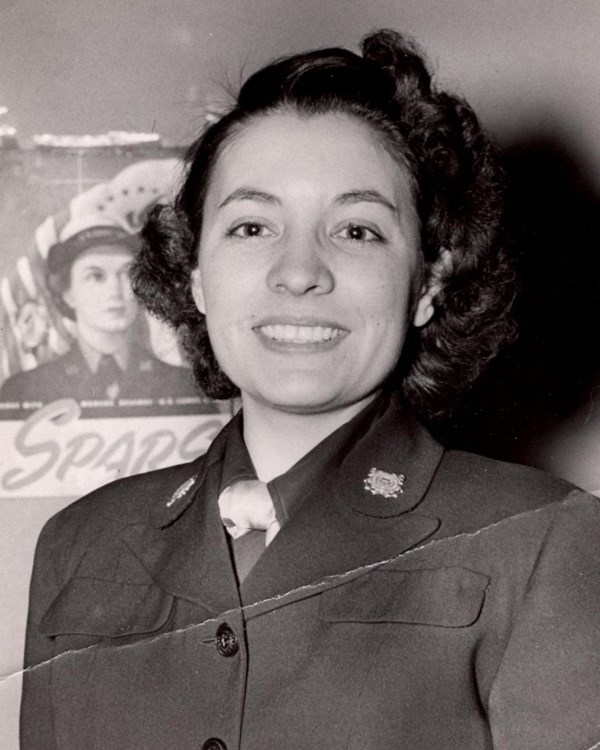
[250, 194]
[366, 196]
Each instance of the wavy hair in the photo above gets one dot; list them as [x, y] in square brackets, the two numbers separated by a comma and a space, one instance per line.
[457, 183]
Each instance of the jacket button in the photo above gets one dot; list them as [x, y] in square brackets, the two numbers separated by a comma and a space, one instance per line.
[227, 642]
[214, 744]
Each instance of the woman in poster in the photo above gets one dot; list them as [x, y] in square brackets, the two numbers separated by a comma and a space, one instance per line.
[88, 279]
[328, 575]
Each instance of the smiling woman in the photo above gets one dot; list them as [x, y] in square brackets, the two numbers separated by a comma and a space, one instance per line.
[328, 575]
[311, 275]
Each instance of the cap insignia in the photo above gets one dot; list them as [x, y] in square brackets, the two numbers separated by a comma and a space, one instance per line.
[182, 490]
[384, 483]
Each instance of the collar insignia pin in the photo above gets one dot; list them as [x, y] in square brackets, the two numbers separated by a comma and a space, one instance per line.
[384, 483]
[182, 490]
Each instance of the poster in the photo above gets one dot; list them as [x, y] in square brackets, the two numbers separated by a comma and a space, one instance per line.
[93, 388]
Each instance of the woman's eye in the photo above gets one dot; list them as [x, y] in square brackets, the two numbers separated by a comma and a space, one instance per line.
[95, 276]
[250, 229]
[358, 233]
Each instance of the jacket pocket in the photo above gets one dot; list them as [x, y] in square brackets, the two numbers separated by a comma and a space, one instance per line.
[108, 609]
[450, 597]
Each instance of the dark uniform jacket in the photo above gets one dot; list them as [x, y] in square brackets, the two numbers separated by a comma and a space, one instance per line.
[463, 613]
[147, 381]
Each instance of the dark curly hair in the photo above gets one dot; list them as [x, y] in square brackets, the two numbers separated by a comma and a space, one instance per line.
[457, 188]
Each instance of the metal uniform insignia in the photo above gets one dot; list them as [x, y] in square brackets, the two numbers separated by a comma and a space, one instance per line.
[182, 490]
[384, 483]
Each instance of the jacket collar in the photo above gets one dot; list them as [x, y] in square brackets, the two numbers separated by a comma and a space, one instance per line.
[170, 508]
[389, 469]
[345, 523]
[348, 522]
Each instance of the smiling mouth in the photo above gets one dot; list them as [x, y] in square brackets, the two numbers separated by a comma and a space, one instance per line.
[296, 334]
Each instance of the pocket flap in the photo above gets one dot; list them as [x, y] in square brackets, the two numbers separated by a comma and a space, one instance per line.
[94, 606]
[449, 597]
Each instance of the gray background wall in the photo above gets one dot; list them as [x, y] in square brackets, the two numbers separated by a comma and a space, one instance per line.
[82, 66]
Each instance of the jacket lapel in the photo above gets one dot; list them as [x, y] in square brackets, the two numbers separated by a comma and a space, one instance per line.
[348, 522]
[184, 548]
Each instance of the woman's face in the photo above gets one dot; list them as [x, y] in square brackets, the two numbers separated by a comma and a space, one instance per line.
[100, 290]
[308, 262]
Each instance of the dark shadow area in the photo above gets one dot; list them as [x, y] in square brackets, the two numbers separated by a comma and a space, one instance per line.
[553, 220]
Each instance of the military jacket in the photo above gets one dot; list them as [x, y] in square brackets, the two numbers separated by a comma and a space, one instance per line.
[458, 610]
[147, 384]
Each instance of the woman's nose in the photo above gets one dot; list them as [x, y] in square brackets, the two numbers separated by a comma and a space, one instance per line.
[117, 285]
[300, 268]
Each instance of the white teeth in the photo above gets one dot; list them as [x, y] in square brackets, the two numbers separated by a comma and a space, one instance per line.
[300, 334]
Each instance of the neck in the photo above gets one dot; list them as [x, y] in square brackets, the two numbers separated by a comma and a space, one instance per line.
[104, 342]
[276, 440]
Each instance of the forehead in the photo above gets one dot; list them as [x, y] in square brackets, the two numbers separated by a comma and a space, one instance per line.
[335, 150]
[107, 257]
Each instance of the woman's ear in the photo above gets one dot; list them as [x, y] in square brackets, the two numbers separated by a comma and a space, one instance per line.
[197, 292]
[430, 289]
[68, 298]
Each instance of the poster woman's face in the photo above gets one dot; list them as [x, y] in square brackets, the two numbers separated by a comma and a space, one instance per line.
[308, 262]
[100, 290]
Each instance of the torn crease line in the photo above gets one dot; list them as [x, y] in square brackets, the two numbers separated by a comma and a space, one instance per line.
[249, 607]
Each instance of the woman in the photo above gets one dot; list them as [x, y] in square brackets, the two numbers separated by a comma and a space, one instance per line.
[105, 368]
[334, 257]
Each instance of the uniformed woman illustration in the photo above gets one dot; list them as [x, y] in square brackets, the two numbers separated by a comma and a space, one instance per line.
[88, 279]
[327, 575]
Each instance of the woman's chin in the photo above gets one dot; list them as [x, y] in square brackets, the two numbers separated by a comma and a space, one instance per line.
[303, 399]
[297, 400]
